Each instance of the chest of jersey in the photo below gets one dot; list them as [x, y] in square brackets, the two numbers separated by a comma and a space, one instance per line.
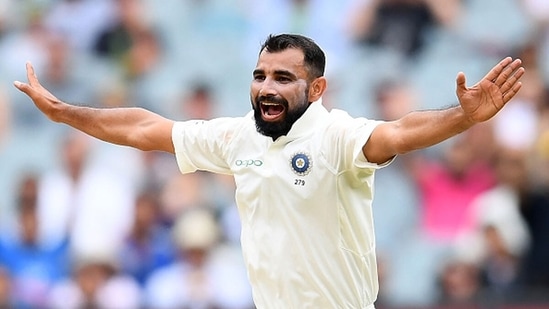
[292, 173]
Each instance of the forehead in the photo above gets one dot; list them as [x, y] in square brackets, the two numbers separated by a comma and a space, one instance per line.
[290, 59]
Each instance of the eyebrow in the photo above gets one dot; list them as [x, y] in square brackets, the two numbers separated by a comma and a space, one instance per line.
[277, 72]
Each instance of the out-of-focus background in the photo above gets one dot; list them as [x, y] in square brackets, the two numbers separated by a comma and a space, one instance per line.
[85, 223]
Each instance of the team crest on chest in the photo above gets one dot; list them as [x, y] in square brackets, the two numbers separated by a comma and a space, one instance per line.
[301, 163]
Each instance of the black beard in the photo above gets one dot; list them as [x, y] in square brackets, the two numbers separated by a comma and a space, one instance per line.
[276, 129]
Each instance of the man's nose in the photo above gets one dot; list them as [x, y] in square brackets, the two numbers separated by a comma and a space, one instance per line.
[267, 88]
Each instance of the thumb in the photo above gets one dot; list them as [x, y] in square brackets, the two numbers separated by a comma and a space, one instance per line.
[461, 83]
[25, 88]
[21, 86]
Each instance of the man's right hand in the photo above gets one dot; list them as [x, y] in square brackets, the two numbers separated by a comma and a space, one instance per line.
[42, 98]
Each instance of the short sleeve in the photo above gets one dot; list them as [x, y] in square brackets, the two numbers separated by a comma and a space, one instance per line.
[363, 135]
[350, 135]
[202, 145]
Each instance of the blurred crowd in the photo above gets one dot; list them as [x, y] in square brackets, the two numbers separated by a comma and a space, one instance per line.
[85, 224]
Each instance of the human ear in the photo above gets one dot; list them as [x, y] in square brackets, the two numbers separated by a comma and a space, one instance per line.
[317, 88]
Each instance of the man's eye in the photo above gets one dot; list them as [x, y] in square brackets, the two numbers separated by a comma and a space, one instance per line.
[259, 77]
[283, 79]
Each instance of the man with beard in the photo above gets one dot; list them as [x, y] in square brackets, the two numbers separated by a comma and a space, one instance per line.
[304, 175]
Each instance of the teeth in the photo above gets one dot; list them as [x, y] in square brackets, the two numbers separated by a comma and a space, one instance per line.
[269, 103]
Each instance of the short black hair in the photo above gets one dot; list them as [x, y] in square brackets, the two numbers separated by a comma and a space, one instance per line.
[314, 57]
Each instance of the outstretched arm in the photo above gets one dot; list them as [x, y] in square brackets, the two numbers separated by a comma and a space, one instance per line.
[134, 127]
[422, 129]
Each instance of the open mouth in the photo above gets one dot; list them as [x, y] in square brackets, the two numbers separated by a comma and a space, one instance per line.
[271, 111]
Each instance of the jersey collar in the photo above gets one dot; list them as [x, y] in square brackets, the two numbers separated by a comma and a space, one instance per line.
[309, 121]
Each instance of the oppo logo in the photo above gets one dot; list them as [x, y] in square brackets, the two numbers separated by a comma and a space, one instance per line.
[249, 162]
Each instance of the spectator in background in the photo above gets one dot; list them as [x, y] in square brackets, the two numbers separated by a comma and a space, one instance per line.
[183, 192]
[53, 52]
[134, 45]
[148, 246]
[25, 38]
[59, 69]
[116, 41]
[197, 103]
[448, 185]
[401, 26]
[90, 205]
[29, 43]
[96, 282]
[80, 21]
[534, 275]
[206, 274]
[459, 284]
[450, 179]
[498, 236]
[32, 266]
[499, 268]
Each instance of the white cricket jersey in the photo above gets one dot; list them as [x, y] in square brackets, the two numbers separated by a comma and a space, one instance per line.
[304, 202]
